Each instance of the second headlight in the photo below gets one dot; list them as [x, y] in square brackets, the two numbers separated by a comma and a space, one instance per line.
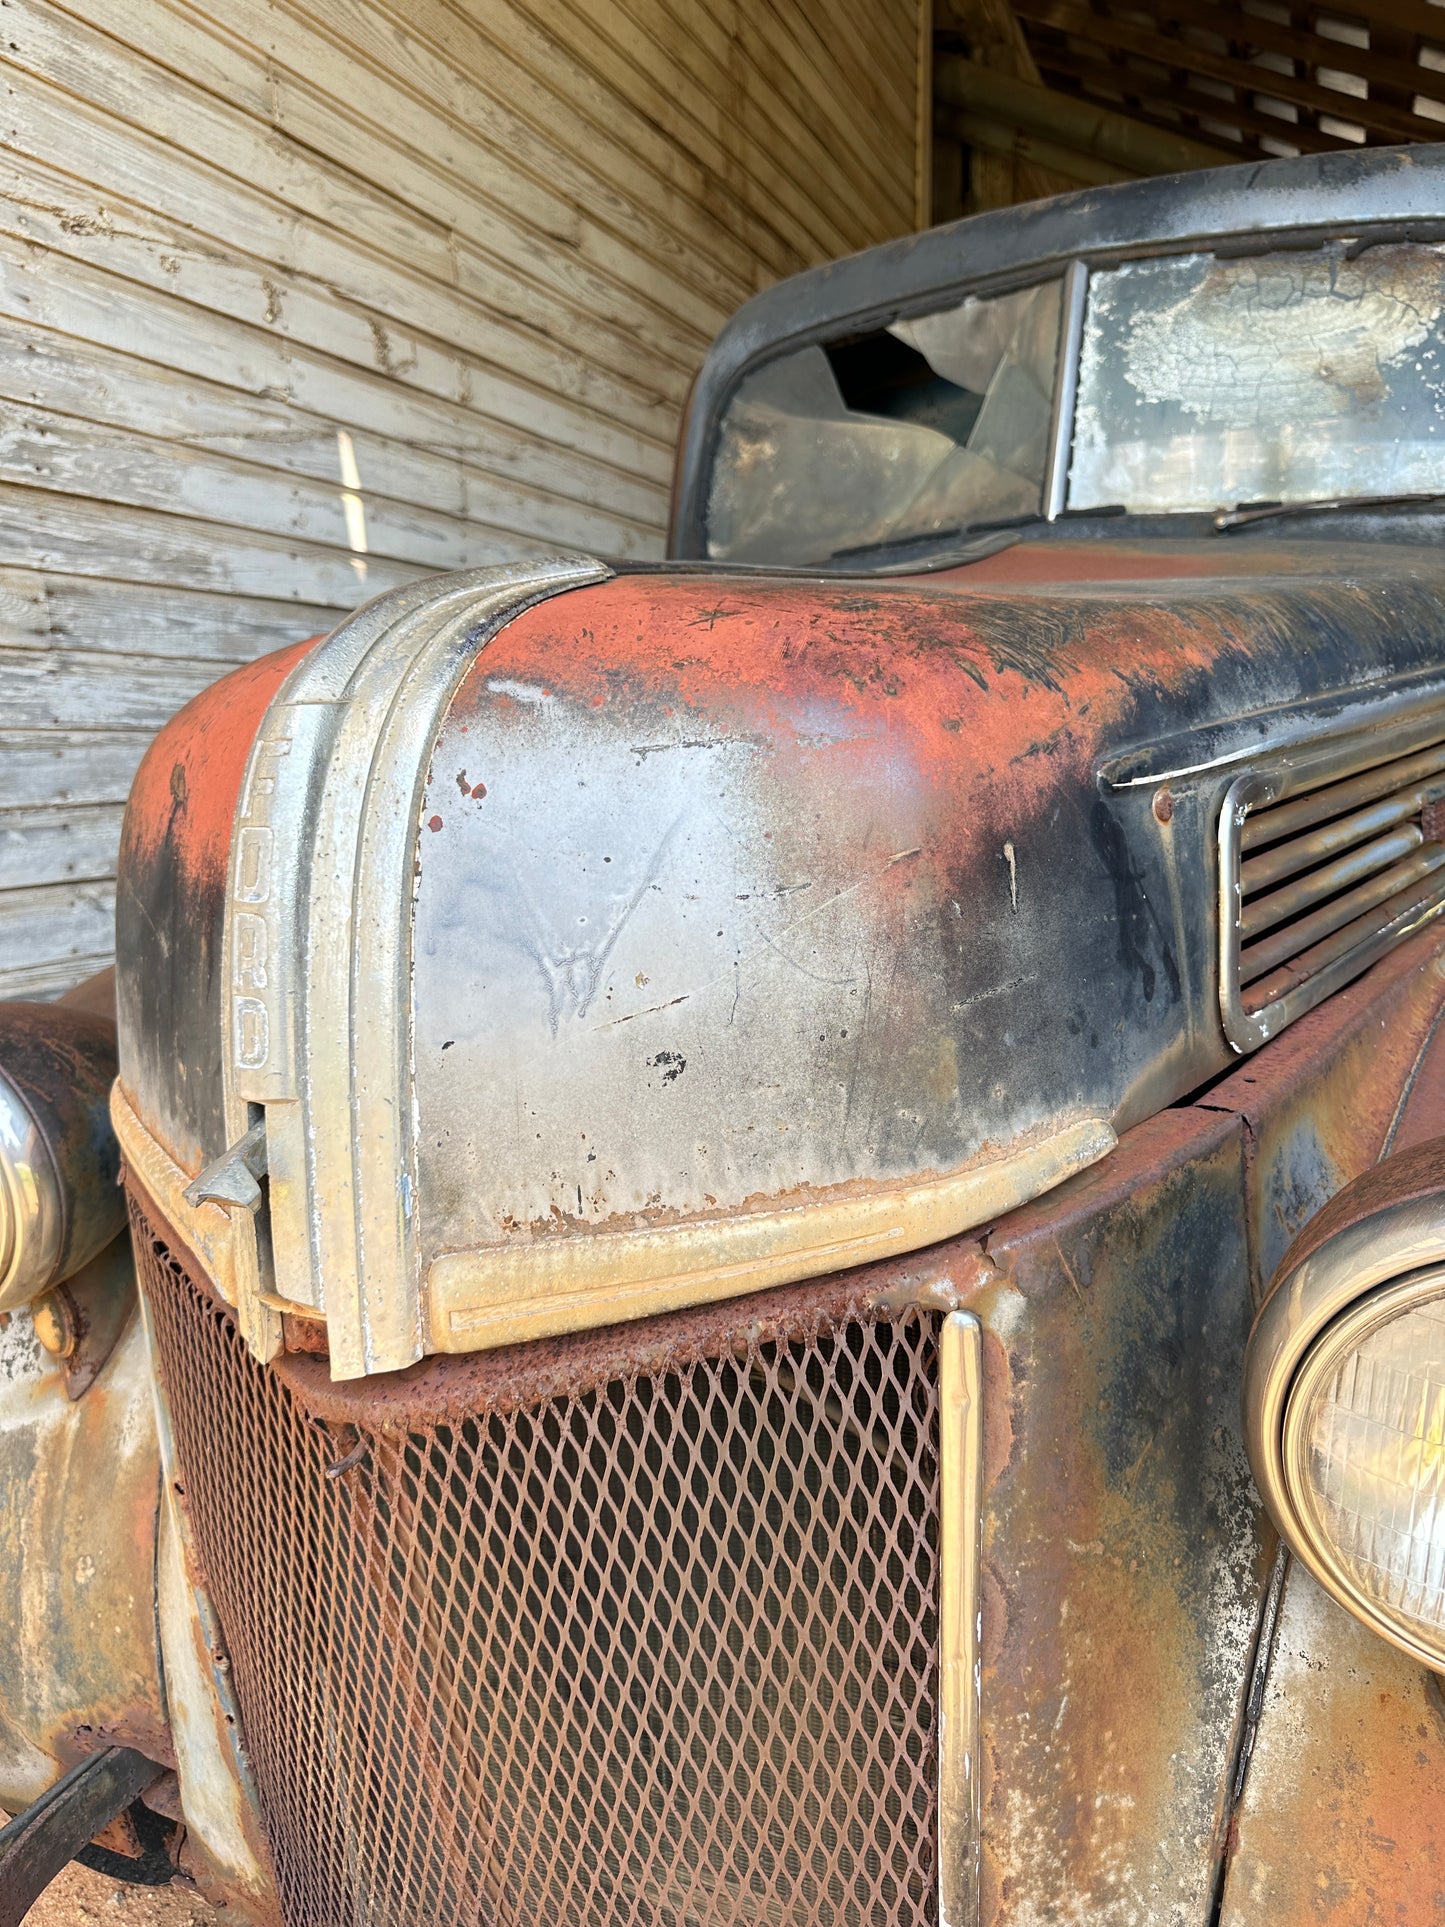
[1345, 1401]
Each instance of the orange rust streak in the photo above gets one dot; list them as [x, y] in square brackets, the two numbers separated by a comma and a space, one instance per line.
[903, 668]
[189, 783]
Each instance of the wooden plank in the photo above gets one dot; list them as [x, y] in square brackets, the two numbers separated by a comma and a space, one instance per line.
[59, 612]
[339, 275]
[76, 688]
[388, 421]
[76, 845]
[43, 449]
[40, 768]
[55, 924]
[599, 79]
[836, 67]
[68, 535]
[126, 394]
[101, 228]
[1171, 52]
[772, 157]
[692, 37]
[750, 37]
[41, 982]
[1069, 66]
[125, 83]
[496, 49]
[391, 158]
[1416, 17]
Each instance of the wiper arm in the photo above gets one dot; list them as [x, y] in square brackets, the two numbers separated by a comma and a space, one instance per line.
[1239, 518]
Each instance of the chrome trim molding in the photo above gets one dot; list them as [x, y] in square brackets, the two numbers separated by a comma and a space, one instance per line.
[318, 956]
[32, 1203]
[1367, 1272]
[1071, 341]
[960, 1556]
[1303, 765]
[501, 1294]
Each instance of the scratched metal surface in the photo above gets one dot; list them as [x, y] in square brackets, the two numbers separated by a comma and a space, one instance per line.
[1124, 1551]
[731, 889]
[79, 1498]
[1327, 1098]
[1341, 1822]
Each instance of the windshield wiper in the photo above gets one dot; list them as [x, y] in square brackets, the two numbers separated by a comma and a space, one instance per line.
[1239, 518]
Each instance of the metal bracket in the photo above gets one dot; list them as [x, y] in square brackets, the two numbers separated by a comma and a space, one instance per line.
[233, 1178]
[51, 1832]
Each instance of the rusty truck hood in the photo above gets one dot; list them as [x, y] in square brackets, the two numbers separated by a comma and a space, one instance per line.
[732, 897]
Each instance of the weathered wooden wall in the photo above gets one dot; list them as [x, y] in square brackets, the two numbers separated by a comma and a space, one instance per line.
[301, 298]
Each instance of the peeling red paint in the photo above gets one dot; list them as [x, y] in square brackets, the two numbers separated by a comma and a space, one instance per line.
[187, 787]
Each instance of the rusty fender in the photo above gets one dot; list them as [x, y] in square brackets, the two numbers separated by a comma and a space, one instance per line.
[1127, 1564]
[79, 1494]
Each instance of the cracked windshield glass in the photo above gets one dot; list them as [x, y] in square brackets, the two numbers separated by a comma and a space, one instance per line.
[910, 436]
[1295, 377]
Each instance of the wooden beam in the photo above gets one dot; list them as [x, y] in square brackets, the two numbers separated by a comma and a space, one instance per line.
[1171, 52]
[1247, 29]
[1099, 71]
[1018, 144]
[1416, 17]
[1084, 126]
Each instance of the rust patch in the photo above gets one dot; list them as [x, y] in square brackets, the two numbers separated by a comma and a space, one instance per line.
[1341, 1823]
[1125, 1556]
[1320, 1104]
[187, 786]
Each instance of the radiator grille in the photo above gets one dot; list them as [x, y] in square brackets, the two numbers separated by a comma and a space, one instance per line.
[659, 1649]
[1322, 883]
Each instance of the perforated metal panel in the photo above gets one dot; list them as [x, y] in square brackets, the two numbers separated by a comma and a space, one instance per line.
[660, 1647]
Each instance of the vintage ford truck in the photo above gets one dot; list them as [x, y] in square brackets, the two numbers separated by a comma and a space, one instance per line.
[703, 1144]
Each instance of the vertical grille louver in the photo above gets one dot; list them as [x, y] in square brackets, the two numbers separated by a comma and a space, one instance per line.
[653, 1644]
[1316, 886]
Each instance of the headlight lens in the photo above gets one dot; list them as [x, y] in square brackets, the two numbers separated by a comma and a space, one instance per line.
[1364, 1451]
[32, 1208]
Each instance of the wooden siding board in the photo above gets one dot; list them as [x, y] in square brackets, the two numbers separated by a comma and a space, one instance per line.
[68, 297]
[75, 845]
[666, 122]
[419, 107]
[398, 191]
[60, 927]
[59, 613]
[123, 241]
[45, 768]
[121, 393]
[75, 536]
[716, 60]
[346, 277]
[766, 167]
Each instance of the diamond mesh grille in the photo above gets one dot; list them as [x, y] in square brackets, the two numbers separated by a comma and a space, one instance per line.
[661, 1649]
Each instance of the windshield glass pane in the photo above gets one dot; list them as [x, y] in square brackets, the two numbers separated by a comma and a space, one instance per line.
[916, 432]
[1288, 377]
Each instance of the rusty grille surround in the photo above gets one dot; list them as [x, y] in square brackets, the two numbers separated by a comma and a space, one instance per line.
[639, 1627]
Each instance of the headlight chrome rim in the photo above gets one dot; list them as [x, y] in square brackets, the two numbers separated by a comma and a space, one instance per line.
[32, 1203]
[1349, 1332]
[1368, 1272]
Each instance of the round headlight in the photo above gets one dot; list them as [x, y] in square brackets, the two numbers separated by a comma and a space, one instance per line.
[59, 1204]
[1345, 1401]
[1364, 1449]
[32, 1206]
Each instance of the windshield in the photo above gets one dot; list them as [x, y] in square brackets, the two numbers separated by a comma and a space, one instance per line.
[917, 432]
[1286, 377]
